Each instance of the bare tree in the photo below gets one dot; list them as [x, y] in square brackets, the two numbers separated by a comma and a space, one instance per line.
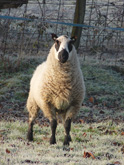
[78, 18]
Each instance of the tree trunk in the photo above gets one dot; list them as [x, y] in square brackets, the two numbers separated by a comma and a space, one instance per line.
[78, 18]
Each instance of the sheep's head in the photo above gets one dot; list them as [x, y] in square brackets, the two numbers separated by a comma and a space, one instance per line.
[63, 47]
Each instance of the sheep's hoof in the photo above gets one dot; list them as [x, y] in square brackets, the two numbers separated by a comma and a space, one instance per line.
[30, 136]
[67, 140]
[52, 140]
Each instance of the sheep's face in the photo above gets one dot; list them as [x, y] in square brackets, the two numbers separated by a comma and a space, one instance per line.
[63, 47]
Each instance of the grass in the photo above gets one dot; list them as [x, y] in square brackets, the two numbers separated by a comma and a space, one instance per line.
[15, 149]
[98, 128]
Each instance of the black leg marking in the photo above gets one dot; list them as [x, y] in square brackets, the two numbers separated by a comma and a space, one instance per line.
[67, 126]
[53, 129]
[30, 132]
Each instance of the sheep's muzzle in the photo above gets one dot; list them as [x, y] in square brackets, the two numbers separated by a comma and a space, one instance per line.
[63, 56]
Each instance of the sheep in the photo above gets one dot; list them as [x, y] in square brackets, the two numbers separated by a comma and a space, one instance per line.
[57, 88]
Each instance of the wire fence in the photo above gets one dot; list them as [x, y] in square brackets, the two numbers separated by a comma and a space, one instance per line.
[20, 37]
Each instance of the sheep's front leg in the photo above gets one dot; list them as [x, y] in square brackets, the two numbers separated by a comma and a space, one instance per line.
[67, 127]
[30, 127]
[53, 129]
[50, 113]
[33, 111]
[30, 131]
[71, 113]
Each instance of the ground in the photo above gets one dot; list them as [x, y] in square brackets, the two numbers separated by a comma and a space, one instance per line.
[97, 132]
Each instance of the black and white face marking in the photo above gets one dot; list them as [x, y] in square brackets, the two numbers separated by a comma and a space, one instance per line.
[63, 47]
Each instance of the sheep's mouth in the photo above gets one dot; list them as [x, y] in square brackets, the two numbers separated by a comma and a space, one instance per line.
[62, 60]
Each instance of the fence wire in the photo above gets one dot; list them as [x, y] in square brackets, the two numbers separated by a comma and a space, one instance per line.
[31, 37]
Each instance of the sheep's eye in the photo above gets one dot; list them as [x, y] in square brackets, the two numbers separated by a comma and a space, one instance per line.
[57, 45]
[70, 46]
[58, 42]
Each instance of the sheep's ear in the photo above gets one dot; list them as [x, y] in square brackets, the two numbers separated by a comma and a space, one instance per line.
[54, 36]
[73, 39]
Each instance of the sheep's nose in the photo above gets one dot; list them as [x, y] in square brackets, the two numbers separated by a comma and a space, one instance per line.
[63, 56]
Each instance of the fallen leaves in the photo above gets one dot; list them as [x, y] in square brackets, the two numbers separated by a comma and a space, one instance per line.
[88, 155]
[45, 138]
[101, 128]
[102, 112]
[122, 149]
[91, 99]
[122, 133]
[84, 134]
[7, 151]
[1, 106]
[110, 132]
[117, 163]
[116, 144]
[10, 109]
[81, 121]
[2, 130]
[32, 162]
[109, 156]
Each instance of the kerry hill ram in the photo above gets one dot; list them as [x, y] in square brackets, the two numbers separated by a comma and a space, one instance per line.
[57, 87]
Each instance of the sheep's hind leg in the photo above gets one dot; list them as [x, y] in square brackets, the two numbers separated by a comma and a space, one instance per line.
[53, 129]
[67, 127]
